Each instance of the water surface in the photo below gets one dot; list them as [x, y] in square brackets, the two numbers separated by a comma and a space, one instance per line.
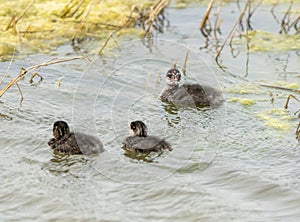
[228, 164]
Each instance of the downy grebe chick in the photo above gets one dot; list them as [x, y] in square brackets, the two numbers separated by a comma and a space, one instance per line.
[189, 94]
[68, 142]
[139, 140]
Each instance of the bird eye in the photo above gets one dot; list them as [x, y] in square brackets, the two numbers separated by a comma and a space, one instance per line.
[132, 126]
[169, 75]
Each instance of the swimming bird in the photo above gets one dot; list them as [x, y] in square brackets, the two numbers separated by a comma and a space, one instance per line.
[68, 142]
[140, 141]
[189, 94]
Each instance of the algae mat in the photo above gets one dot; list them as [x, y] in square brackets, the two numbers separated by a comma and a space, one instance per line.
[41, 25]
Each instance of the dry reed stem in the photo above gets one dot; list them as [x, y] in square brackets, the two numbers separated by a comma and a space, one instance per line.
[294, 23]
[185, 62]
[16, 20]
[205, 18]
[89, 7]
[4, 116]
[286, 16]
[13, 81]
[8, 67]
[152, 14]
[231, 34]
[23, 71]
[273, 14]
[133, 8]
[281, 88]
[158, 7]
[255, 8]
[21, 94]
[69, 7]
[98, 23]
[17, 31]
[13, 18]
[106, 42]
[288, 100]
[250, 13]
[34, 75]
[77, 8]
[115, 41]
[298, 132]
[218, 21]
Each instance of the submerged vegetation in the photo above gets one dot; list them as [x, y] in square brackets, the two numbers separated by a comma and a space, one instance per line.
[243, 33]
[243, 37]
[41, 25]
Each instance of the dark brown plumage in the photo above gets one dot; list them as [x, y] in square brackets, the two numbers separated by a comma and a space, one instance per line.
[189, 94]
[139, 141]
[68, 142]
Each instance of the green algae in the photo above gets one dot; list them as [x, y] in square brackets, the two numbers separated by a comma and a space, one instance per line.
[41, 25]
[245, 88]
[276, 118]
[262, 41]
[243, 101]
[265, 41]
[293, 85]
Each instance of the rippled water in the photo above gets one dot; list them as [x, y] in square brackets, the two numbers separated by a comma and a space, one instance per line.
[227, 164]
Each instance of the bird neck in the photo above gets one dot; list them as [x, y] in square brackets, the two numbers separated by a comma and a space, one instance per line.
[170, 86]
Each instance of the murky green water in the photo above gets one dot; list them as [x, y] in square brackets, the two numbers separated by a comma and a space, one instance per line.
[227, 164]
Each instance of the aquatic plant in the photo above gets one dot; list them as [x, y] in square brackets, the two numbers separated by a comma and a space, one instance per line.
[41, 25]
[255, 40]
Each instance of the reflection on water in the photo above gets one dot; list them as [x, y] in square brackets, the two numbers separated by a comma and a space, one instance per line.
[148, 157]
[250, 174]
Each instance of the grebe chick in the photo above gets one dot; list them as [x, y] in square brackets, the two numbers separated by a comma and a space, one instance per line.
[68, 142]
[189, 94]
[139, 140]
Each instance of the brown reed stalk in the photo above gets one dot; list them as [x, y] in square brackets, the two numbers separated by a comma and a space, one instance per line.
[147, 18]
[218, 21]
[69, 8]
[202, 25]
[250, 13]
[21, 94]
[231, 34]
[281, 88]
[150, 17]
[13, 18]
[185, 62]
[34, 75]
[286, 18]
[272, 12]
[16, 20]
[288, 100]
[294, 24]
[106, 42]
[23, 72]
[8, 67]
[89, 7]
[298, 132]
